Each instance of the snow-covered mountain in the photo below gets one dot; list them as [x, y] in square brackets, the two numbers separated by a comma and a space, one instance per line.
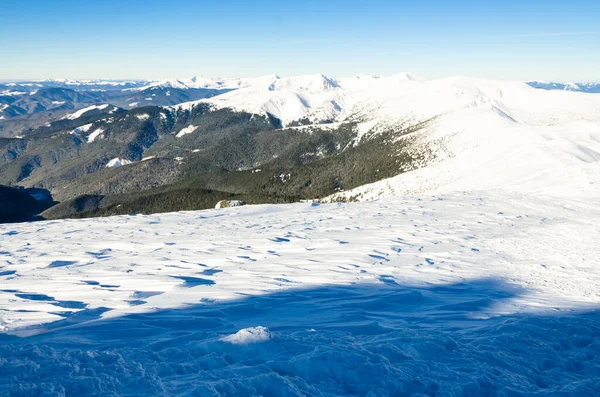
[196, 82]
[475, 272]
[481, 133]
[320, 98]
[310, 98]
[496, 134]
[464, 133]
[592, 88]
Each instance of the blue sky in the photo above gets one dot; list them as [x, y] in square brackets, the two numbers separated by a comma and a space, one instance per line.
[527, 39]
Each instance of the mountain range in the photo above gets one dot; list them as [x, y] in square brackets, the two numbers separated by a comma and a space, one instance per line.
[592, 88]
[105, 148]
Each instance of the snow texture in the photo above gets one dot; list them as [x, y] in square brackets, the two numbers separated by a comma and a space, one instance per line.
[248, 335]
[466, 293]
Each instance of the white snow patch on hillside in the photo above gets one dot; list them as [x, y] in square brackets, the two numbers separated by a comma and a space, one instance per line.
[132, 104]
[187, 130]
[3, 107]
[81, 129]
[142, 117]
[117, 162]
[12, 93]
[81, 112]
[95, 135]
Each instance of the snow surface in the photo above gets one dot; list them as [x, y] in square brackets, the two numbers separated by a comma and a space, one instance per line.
[95, 134]
[490, 135]
[467, 293]
[187, 130]
[81, 129]
[81, 112]
[12, 93]
[248, 335]
[117, 162]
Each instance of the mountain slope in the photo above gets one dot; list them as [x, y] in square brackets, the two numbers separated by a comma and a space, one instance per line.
[460, 294]
[314, 136]
[502, 135]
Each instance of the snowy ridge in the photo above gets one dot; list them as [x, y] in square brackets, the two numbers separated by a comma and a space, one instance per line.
[91, 82]
[194, 82]
[395, 98]
[590, 87]
[493, 134]
[288, 99]
[81, 112]
[482, 134]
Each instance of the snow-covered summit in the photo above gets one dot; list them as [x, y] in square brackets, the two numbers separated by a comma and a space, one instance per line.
[287, 98]
[197, 82]
[486, 134]
[398, 97]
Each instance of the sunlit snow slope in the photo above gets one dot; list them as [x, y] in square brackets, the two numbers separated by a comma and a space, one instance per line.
[467, 293]
[53, 270]
[480, 134]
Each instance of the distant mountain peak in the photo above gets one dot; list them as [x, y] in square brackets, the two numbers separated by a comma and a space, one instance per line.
[591, 88]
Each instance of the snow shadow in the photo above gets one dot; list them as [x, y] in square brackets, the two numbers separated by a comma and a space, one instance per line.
[383, 339]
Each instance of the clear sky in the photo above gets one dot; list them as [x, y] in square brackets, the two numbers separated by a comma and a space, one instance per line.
[526, 39]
